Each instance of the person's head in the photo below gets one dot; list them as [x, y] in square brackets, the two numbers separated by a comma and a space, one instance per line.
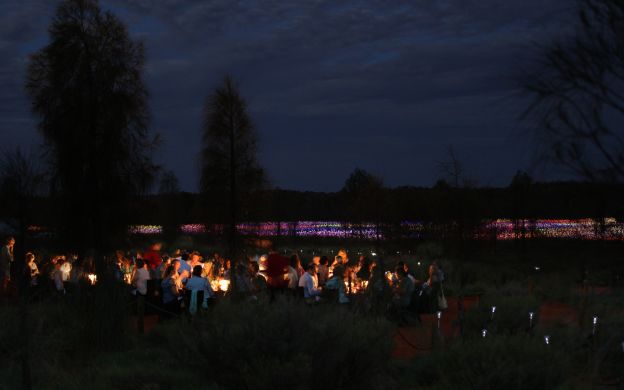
[316, 260]
[311, 268]
[169, 271]
[338, 259]
[406, 268]
[433, 269]
[176, 265]
[195, 257]
[339, 271]
[197, 270]
[140, 263]
[343, 254]
[400, 271]
[157, 246]
[254, 268]
[30, 257]
[185, 256]
[10, 241]
[324, 260]
[295, 262]
[228, 263]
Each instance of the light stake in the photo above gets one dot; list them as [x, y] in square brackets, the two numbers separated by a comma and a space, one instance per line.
[439, 317]
[531, 314]
[547, 339]
[493, 311]
[483, 333]
[595, 324]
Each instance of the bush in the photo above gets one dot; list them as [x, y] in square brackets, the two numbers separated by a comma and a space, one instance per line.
[285, 344]
[503, 362]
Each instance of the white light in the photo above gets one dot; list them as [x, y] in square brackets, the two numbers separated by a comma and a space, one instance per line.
[531, 315]
[419, 263]
[374, 253]
[537, 268]
[439, 314]
[493, 309]
[547, 339]
[595, 319]
[483, 332]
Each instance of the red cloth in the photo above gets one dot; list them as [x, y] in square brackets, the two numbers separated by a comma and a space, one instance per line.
[152, 258]
[276, 268]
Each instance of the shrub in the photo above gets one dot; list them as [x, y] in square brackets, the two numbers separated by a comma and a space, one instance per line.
[285, 344]
[502, 362]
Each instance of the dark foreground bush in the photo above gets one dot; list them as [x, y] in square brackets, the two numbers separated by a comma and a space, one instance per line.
[284, 345]
[503, 362]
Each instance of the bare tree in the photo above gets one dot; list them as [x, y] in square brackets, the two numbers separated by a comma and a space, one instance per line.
[577, 94]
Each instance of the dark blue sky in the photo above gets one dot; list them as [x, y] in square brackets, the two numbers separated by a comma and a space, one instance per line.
[385, 86]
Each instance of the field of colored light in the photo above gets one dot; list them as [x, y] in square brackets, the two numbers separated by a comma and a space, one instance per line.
[500, 229]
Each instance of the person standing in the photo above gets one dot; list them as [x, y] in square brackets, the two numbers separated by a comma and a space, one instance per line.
[6, 263]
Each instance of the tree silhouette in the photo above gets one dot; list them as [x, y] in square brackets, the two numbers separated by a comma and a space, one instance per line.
[577, 98]
[230, 172]
[87, 90]
[364, 196]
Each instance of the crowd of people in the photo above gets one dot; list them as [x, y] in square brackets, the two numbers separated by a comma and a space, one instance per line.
[187, 281]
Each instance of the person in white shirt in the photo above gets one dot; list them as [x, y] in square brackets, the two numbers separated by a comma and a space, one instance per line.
[196, 284]
[141, 276]
[309, 282]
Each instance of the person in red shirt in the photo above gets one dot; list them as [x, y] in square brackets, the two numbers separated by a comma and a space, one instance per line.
[276, 270]
[152, 257]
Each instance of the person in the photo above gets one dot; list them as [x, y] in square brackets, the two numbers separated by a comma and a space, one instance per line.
[322, 270]
[194, 285]
[295, 262]
[185, 269]
[363, 271]
[344, 258]
[404, 289]
[141, 276]
[405, 266]
[243, 281]
[161, 270]
[336, 283]
[403, 292]
[309, 282]
[66, 267]
[258, 281]
[57, 278]
[433, 288]
[276, 272]
[6, 262]
[171, 292]
[293, 276]
[32, 269]
[152, 257]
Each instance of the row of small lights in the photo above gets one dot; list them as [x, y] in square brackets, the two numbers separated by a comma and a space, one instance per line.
[484, 331]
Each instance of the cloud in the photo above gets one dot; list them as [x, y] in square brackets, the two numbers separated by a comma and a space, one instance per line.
[398, 80]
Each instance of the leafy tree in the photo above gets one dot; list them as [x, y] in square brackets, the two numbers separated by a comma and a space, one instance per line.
[169, 183]
[364, 196]
[87, 90]
[577, 98]
[230, 172]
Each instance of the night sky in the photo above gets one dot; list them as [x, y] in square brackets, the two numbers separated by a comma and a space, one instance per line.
[386, 86]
